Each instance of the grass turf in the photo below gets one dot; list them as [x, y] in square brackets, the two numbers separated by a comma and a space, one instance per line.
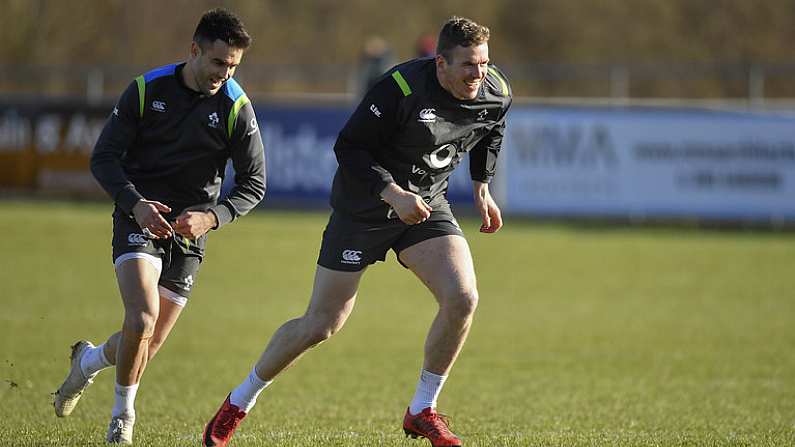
[583, 337]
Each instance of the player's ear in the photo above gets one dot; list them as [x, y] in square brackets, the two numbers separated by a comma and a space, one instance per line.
[195, 49]
[441, 62]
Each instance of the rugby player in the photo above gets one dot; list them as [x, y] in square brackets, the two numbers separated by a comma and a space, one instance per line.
[395, 155]
[161, 157]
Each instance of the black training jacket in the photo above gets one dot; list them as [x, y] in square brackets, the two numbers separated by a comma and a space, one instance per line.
[411, 131]
[166, 142]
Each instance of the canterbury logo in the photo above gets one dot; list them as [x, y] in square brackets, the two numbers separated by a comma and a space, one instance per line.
[351, 256]
[427, 116]
[137, 239]
[159, 106]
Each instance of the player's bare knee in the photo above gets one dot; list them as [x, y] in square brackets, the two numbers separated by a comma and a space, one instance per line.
[140, 324]
[461, 304]
[317, 331]
[318, 335]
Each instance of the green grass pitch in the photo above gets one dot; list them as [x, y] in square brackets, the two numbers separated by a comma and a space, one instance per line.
[583, 337]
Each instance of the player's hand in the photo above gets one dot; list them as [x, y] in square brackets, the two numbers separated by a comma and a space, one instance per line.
[409, 207]
[192, 224]
[489, 211]
[147, 215]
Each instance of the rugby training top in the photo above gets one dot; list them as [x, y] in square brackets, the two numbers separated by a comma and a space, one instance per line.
[169, 143]
[411, 131]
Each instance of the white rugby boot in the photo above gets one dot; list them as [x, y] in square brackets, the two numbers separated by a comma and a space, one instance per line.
[76, 382]
[120, 430]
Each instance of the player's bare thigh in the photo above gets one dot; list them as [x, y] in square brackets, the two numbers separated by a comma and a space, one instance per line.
[444, 264]
[137, 276]
[333, 295]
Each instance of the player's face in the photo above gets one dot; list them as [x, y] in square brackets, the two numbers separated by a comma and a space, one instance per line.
[465, 70]
[213, 65]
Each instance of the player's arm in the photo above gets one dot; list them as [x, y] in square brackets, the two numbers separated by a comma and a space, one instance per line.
[115, 140]
[490, 214]
[367, 131]
[248, 159]
[482, 167]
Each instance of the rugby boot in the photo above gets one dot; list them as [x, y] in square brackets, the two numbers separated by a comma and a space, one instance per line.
[431, 425]
[76, 382]
[222, 426]
[120, 430]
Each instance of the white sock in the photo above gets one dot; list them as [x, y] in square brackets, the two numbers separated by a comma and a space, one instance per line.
[428, 389]
[125, 400]
[245, 395]
[94, 360]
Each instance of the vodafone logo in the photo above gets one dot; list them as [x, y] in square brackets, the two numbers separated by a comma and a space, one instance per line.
[441, 157]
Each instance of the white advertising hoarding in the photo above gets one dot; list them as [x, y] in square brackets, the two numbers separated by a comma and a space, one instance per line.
[649, 162]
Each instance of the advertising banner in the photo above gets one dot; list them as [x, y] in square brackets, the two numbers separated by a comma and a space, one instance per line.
[47, 146]
[557, 161]
[649, 162]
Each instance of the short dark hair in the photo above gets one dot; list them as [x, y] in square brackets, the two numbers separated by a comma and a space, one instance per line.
[460, 31]
[221, 24]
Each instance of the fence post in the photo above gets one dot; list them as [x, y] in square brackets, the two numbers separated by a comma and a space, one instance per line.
[619, 82]
[95, 80]
[756, 85]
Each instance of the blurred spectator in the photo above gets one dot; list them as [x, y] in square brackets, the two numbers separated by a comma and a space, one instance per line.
[425, 46]
[377, 58]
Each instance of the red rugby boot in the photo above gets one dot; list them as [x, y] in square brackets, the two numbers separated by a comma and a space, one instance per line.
[430, 424]
[222, 426]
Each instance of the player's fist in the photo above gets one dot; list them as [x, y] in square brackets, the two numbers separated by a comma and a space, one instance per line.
[409, 207]
[193, 224]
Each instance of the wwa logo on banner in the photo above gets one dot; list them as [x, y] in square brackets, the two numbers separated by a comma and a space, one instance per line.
[565, 146]
[651, 162]
[551, 163]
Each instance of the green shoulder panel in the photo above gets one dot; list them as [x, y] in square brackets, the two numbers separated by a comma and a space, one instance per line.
[401, 82]
[238, 104]
[141, 92]
[499, 77]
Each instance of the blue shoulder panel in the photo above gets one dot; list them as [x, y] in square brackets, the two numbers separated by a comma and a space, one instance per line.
[233, 90]
[160, 72]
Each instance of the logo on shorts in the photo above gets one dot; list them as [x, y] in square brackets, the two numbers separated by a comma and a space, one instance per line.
[188, 282]
[351, 256]
[137, 240]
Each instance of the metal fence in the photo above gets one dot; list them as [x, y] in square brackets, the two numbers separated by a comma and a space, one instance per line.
[754, 83]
